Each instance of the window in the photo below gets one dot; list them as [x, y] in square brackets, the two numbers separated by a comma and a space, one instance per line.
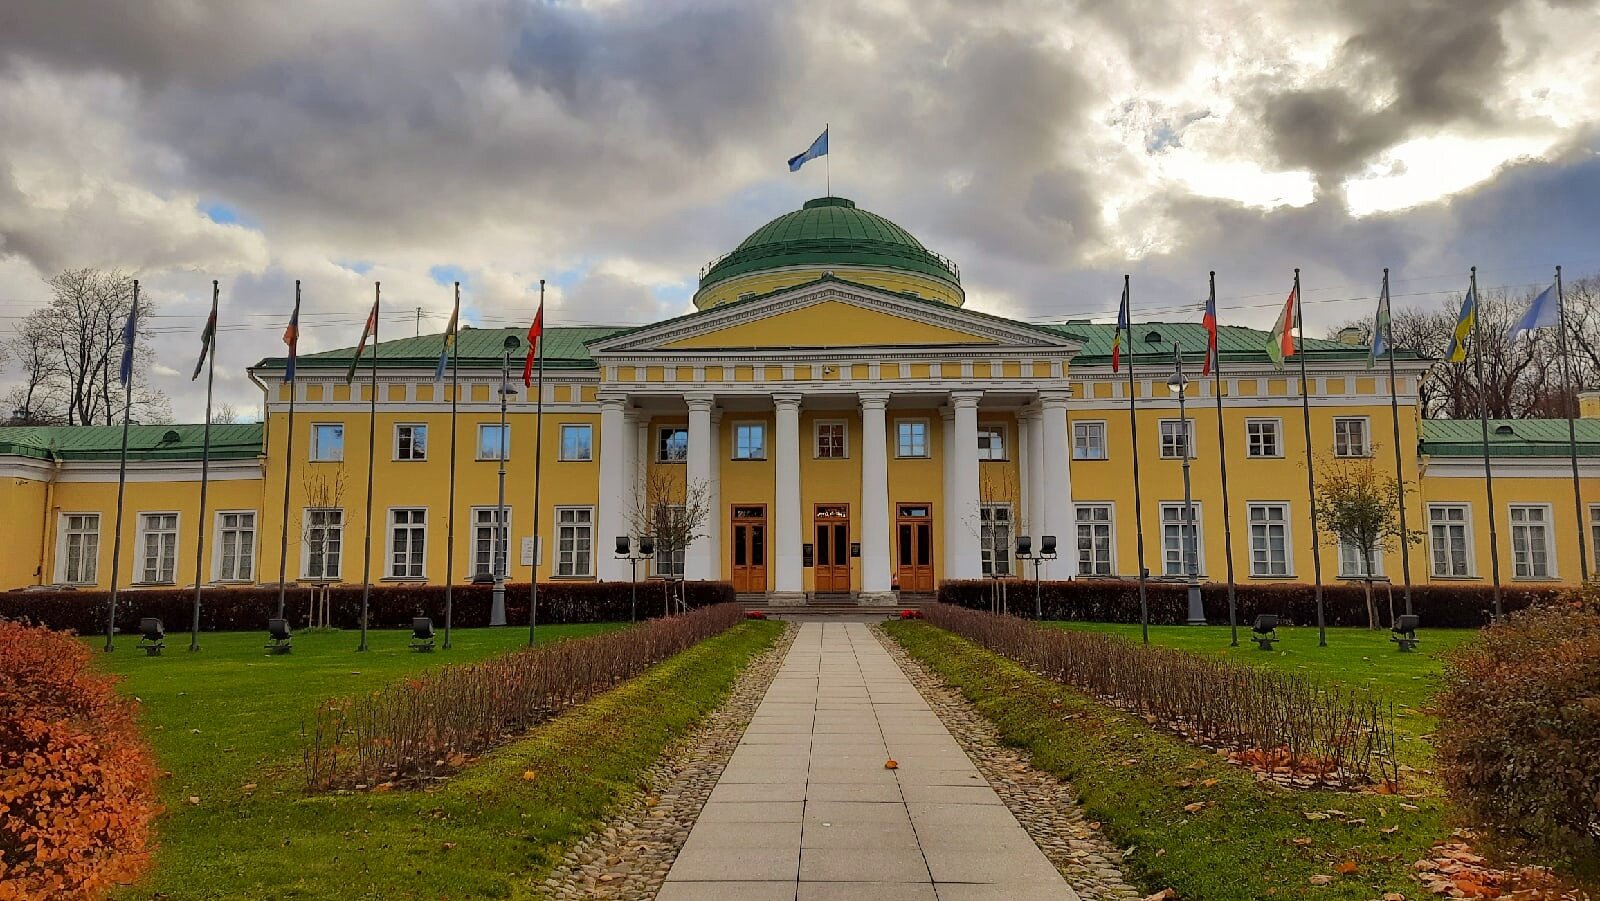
[411, 442]
[490, 541]
[236, 547]
[1088, 441]
[81, 548]
[750, 441]
[493, 441]
[991, 442]
[1448, 534]
[159, 548]
[575, 541]
[1094, 539]
[1177, 437]
[830, 440]
[672, 444]
[1173, 546]
[324, 544]
[994, 537]
[577, 443]
[669, 561]
[1263, 437]
[1269, 540]
[1530, 542]
[327, 443]
[1594, 534]
[1352, 565]
[911, 438]
[408, 539]
[1350, 438]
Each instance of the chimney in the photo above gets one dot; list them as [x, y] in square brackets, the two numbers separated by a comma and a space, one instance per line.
[1351, 335]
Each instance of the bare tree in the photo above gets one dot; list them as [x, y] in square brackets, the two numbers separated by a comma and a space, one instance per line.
[324, 490]
[1358, 505]
[227, 414]
[674, 512]
[999, 486]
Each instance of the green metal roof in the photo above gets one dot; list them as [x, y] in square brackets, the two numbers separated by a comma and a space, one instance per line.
[234, 441]
[830, 231]
[564, 348]
[1508, 437]
[1152, 343]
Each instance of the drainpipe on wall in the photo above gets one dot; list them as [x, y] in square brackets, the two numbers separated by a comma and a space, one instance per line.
[45, 551]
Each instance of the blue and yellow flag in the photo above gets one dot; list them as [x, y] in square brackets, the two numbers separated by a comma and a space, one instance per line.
[1465, 322]
[1124, 327]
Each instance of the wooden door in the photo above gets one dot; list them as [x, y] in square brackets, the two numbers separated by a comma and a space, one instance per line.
[914, 553]
[831, 560]
[749, 551]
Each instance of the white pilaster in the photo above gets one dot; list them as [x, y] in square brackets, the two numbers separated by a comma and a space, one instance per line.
[1033, 486]
[1056, 463]
[611, 518]
[702, 448]
[949, 519]
[715, 515]
[961, 493]
[788, 577]
[875, 545]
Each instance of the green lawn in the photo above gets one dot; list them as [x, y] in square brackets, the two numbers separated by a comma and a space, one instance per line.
[225, 722]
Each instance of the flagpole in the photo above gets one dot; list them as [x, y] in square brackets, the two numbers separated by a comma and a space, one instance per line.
[1483, 422]
[1227, 510]
[1399, 472]
[538, 463]
[827, 164]
[205, 471]
[1572, 428]
[1311, 472]
[372, 450]
[288, 461]
[1138, 498]
[450, 510]
[122, 473]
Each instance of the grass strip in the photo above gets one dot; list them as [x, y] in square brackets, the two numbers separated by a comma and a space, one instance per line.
[1195, 823]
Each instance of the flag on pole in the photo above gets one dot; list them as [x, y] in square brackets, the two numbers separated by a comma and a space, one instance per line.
[206, 336]
[130, 337]
[366, 332]
[449, 340]
[535, 332]
[291, 337]
[1381, 328]
[819, 147]
[1124, 327]
[1281, 344]
[1544, 312]
[1466, 320]
[1210, 322]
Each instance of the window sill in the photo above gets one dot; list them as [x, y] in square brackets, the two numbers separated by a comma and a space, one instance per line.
[340, 460]
[747, 459]
[1513, 578]
[1440, 578]
[409, 460]
[575, 460]
[404, 579]
[1284, 578]
[232, 582]
[1076, 459]
[152, 584]
[572, 578]
[672, 462]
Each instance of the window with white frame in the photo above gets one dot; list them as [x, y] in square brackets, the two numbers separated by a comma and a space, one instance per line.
[493, 441]
[1088, 441]
[994, 538]
[1449, 538]
[1177, 438]
[1263, 437]
[408, 541]
[1350, 438]
[327, 442]
[669, 560]
[491, 540]
[749, 441]
[911, 438]
[577, 442]
[1353, 564]
[1530, 542]
[80, 543]
[574, 541]
[159, 548]
[1594, 535]
[672, 444]
[831, 439]
[324, 533]
[1174, 531]
[991, 441]
[1269, 540]
[411, 442]
[236, 546]
[1094, 539]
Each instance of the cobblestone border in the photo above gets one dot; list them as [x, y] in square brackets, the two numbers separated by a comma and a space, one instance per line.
[628, 856]
[1045, 806]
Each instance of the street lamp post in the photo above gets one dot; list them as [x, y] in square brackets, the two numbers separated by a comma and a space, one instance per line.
[1047, 551]
[502, 550]
[627, 550]
[1180, 384]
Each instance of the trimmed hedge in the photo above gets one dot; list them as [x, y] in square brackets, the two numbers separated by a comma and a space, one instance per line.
[1117, 601]
[243, 609]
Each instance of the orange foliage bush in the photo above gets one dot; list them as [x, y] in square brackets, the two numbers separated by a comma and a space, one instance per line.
[76, 781]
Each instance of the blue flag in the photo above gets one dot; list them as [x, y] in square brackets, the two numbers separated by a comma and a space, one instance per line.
[819, 147]
[130, 336]
[1544, 312]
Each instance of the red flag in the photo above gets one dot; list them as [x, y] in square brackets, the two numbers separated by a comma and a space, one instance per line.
[535, 332]
[1210, 323]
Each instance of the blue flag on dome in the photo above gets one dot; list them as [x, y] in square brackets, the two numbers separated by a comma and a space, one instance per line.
[819, 147]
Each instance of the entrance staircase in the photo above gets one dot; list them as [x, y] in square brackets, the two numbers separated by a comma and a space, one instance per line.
[833, 604]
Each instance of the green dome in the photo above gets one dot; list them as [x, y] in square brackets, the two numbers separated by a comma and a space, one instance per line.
[830, 231]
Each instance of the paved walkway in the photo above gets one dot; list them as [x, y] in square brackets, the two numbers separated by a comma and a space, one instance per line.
[806, 809]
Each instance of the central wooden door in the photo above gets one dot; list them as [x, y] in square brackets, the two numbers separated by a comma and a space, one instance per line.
[749, 551]
[831, 564]
[914, 529]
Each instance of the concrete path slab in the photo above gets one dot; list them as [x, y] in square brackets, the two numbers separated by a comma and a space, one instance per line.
[807, 810]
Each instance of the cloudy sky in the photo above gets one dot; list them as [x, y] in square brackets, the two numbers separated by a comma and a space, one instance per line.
[615, 146]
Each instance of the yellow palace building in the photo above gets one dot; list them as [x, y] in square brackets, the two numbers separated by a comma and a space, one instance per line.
[851, 426]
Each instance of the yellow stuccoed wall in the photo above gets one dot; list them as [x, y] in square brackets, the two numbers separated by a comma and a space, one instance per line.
[23, 529]
[1553, 491]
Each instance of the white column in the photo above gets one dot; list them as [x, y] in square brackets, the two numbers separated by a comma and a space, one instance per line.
[642, 450]
[1023, 516]
[875, 545]
[949, 519]
[788, 578]
[715, 514]
[612, 517]
[1033, 465]
[961, 492]
[697, 557]
[1055, 460]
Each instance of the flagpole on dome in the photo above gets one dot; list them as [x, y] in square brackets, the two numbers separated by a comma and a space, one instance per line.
[1125, 330]
[1572, 427]
[1311, 472]
[1383, 330]
[1214, 364]
[291, 337]
[1483, 423]
[130, 337]
[536, 342]
[208, 337]
[827, 164]
[452, 342]
[372, 449]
